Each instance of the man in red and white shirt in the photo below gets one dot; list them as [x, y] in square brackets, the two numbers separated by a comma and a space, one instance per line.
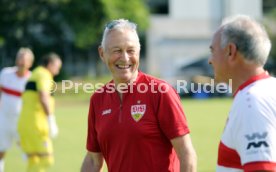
[240, 48]
[12, 85]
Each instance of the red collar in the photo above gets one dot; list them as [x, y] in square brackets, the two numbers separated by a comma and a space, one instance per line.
[255, 78]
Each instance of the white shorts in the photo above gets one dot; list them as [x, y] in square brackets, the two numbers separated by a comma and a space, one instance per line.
[8, 132]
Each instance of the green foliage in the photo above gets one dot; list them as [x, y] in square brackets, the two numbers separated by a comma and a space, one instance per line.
[87, 17]
[273, 49]
[69, 27]
[270, 26]
[81, 21]
[132, 10]
[36, 24]
[84, 18]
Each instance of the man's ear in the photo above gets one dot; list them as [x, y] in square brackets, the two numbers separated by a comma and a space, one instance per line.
[101, 53]
[232, 52]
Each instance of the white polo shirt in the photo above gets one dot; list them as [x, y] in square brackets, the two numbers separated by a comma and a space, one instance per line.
[12, 87]
[249, 138]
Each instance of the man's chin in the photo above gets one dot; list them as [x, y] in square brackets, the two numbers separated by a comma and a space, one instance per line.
[126, 78]
[218, 80]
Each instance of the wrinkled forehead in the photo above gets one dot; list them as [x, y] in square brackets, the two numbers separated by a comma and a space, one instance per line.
[25, 55]
[122, 36]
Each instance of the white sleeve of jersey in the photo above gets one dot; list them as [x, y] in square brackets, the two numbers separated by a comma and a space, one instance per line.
[256, 133]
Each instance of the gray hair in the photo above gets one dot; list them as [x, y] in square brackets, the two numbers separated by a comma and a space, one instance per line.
[49, 58]
[249, 36]
[119, 24]
[23, 51]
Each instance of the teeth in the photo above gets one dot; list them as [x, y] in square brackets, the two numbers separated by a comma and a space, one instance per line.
[123, 66]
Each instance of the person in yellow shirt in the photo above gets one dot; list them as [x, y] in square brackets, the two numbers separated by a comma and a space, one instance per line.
[37, 125]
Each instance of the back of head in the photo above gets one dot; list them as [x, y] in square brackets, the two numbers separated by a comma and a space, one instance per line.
[119, 24]
[49, 58]
[249, 36]
[52, 62]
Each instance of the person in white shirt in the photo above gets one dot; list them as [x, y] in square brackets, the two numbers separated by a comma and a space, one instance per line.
[240, 48]
[12, 85]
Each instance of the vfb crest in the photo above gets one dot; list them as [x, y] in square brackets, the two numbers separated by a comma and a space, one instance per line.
[138, 111]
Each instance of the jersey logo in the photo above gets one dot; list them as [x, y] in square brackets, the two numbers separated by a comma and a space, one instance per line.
[256, 136]
[257, 144]
[256, 140]
[138, 111]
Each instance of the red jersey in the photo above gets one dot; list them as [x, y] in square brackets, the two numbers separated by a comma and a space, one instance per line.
[134, 133]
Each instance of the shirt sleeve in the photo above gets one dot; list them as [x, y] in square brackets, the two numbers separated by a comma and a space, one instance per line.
[256, 137]
[170, 114]
[44, 82]
[92, 144]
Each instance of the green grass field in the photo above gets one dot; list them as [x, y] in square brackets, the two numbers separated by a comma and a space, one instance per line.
[206, 120]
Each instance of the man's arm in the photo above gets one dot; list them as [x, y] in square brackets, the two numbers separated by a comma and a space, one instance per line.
[185, 152]
[93, 162]
[44, 98]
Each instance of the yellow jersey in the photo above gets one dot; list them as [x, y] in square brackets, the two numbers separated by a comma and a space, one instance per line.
[32, 115]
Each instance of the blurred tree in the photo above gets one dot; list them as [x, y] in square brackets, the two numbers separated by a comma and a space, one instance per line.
[36, 24]
[269, 10]
[72, 28]
[270, 18]
[136, 11]
[87, 17]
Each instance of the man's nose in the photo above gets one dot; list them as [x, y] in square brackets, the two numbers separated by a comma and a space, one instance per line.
[125, 56]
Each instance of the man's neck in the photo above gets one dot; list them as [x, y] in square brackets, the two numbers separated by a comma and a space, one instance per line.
[22, 72]
[123, 86]
[245, 76]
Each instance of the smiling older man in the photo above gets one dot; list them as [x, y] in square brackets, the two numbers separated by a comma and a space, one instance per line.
[128, 127]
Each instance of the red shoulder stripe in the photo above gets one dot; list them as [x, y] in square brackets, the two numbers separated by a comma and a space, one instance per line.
[228, 157]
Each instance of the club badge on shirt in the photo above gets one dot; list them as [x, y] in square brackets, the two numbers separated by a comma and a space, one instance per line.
[138, 111]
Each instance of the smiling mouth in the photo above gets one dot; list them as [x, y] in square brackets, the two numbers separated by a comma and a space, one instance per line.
[123, 66]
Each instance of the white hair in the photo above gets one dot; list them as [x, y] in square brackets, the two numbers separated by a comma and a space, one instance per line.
[248, 35]
[23, 51]
[119, 24]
